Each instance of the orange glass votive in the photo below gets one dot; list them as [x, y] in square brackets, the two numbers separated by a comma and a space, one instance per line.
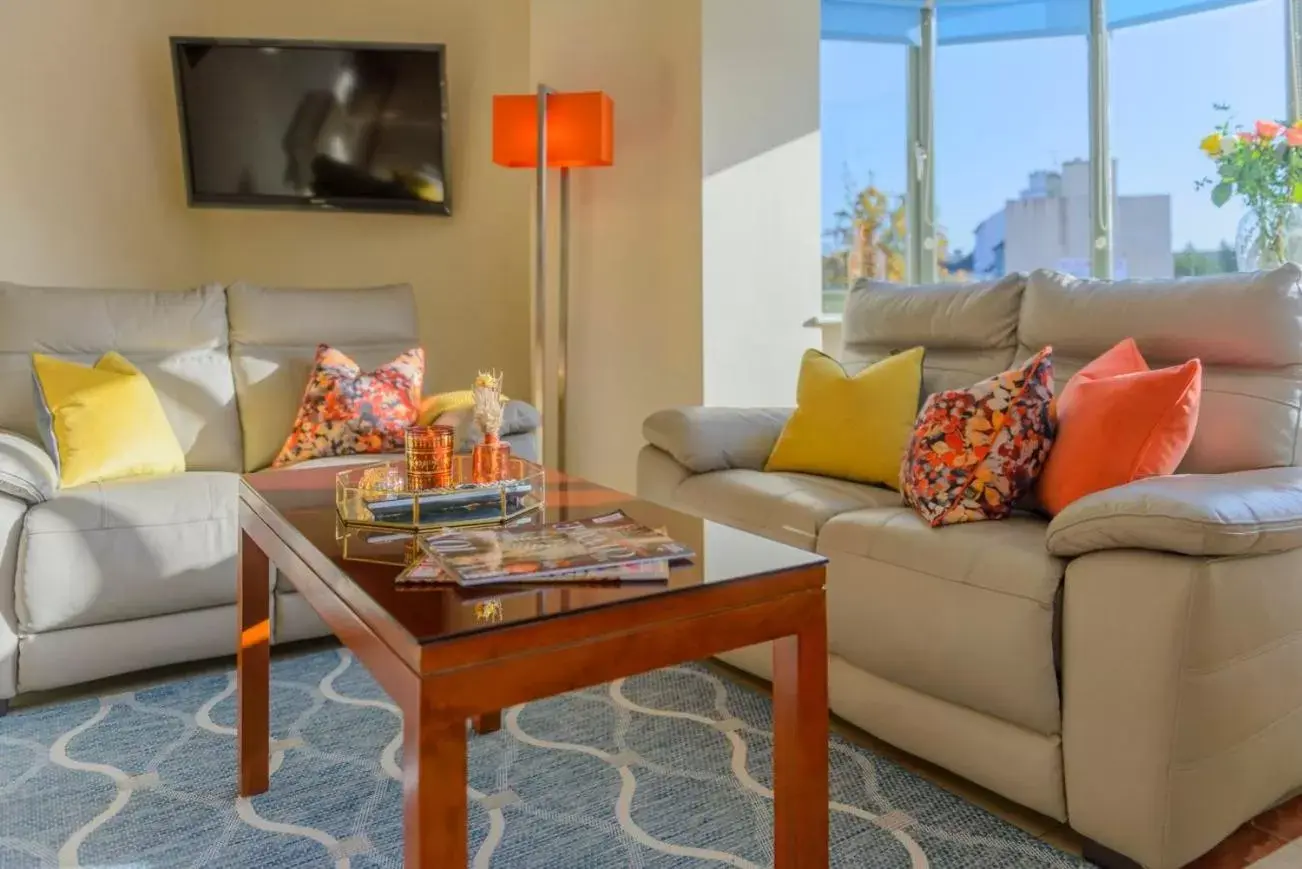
[429, 456]
[490, 460]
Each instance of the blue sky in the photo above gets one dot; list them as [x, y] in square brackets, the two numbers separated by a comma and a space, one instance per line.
[1006, 109]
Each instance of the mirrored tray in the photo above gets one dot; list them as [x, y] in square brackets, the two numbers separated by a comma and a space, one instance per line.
[377, 497]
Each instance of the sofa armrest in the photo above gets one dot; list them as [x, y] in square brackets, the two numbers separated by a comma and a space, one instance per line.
[704, 439]
[26, 470]
[1244, 513]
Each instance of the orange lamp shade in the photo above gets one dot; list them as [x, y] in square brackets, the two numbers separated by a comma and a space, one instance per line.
[580, 130]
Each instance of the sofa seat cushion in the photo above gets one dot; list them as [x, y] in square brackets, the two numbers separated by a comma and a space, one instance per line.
[782, 506]
[128, 549]
[965, 613]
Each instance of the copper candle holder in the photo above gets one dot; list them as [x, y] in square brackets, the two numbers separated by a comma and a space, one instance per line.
[429, 456]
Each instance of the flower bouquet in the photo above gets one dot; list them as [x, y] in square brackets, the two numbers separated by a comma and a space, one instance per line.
[1263, 166]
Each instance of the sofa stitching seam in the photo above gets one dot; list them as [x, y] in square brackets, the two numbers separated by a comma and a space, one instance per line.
[1201, 525]
[22, 485]
[1243, 658]
[1193, 764]
[1175, 715]
[213, 519]
[1269, 524]
[1041, 604]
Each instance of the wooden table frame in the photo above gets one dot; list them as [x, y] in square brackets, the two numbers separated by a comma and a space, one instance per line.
[439, 686]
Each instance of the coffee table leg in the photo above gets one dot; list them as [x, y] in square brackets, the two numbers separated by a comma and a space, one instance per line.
[489, 722]
[800, 730]
[253, 667]
[434, 788]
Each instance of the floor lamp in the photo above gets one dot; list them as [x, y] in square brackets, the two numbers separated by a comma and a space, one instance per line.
[542, 131]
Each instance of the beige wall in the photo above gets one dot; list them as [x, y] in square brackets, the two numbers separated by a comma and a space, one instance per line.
[636, 277]
[760, 196]
[696, 257]
[91, 190]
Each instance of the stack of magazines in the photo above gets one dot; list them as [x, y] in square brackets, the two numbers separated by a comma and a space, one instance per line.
[611, 547]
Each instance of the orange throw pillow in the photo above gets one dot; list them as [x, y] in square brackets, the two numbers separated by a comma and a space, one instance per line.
[1119, 422]
[346, 411]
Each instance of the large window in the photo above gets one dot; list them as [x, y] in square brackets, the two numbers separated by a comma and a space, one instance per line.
[1166, 78]
[1012, 177]
[864, 113]
[1006, 103]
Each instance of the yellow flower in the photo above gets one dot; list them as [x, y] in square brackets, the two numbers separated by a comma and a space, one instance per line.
[1211, 144]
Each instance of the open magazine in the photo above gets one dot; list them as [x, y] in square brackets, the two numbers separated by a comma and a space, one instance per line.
[611, 546]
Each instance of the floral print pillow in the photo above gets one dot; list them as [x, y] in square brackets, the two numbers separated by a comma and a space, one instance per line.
[976, 452]
[346, 411]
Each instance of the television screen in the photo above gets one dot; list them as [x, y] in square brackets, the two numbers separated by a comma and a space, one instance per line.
[313, 125]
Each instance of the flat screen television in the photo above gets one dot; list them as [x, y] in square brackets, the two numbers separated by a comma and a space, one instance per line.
[313, 125]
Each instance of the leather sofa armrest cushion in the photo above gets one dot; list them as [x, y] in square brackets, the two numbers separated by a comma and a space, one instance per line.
[1244, 513]
[26, 470]
[704, 439]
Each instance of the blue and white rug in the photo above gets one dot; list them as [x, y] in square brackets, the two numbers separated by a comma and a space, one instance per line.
[671, 768]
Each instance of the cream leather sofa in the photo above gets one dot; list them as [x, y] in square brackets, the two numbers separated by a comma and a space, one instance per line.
[108, 578]
[1134, 666]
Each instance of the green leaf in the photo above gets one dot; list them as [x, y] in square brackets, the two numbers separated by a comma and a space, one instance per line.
[1221, 193]
[1297, 191]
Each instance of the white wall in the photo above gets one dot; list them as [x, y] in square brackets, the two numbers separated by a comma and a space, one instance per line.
[91, 189]
[760, 197]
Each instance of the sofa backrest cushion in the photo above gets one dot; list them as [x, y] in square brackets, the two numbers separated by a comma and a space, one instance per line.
[274, 336]
[1246, 329]
[969, 330]
[177, 339]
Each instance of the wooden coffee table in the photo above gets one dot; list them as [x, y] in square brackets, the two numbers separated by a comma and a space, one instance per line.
[445, 657]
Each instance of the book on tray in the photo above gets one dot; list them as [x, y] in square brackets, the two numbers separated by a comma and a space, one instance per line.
[608, 547]
[464, 503]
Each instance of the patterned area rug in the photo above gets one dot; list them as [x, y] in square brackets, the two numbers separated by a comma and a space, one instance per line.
[671, 768]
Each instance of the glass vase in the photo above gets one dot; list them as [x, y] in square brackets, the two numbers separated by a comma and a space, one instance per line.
[490, 460]
[1268, 243]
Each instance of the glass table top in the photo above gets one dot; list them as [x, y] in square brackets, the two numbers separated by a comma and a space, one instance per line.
[371, 559]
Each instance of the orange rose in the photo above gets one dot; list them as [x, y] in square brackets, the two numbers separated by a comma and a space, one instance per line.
[1268, 129]
[1293, 135]
[1246, 138]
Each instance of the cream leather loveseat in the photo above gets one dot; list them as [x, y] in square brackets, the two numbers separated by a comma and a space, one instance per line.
[1134, 666]
[107, 578]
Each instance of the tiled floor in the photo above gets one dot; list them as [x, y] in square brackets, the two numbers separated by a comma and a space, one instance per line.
[1261, 843]
[1272, 840]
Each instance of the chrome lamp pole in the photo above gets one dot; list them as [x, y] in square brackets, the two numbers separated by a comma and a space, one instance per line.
[538, 359]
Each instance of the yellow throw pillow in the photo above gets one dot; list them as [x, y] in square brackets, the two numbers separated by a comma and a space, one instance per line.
[853, 428]
[445, 402]
[104, 422]
[436, 405]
